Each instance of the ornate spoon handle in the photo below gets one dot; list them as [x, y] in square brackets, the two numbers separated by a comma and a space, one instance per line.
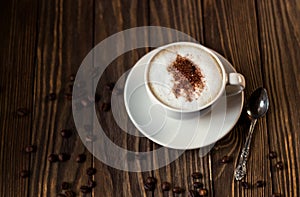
[241, 169]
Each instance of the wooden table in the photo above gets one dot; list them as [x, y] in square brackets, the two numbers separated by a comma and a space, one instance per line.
[44, 42]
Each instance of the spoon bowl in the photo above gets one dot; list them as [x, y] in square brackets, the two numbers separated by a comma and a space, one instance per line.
[258, 104]
[257, 107]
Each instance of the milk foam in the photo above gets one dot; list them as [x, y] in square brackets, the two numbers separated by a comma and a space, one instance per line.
[161, 81]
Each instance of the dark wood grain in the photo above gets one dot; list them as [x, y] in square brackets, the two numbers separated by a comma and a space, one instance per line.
[279, 32]
[112, 17]
[17, 63]
[44, 42]
[187, 17]
[65, 36]
[235, 36]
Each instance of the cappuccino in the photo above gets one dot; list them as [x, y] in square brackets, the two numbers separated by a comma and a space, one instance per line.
[184, 77]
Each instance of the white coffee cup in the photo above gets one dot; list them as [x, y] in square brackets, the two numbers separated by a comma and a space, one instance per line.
[185, 77]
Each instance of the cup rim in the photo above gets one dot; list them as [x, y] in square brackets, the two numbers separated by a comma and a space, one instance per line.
[177, 110]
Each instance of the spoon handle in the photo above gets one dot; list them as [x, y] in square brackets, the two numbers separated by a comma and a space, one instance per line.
[241, 170]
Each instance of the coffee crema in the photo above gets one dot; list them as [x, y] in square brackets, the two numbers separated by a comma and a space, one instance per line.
[184, 77]
[188, 79]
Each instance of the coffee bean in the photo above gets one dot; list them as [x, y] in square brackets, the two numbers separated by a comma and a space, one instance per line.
[226, 159]
[149, 187]
[81, 158]
[64, 157]
[279, 165]
[85, 189]
[110, 86]
[91, 171]
[276, 195]
[65, 185]
[51, 97]
[203, 192]
[105, 107]
[150, 184]
[193, 193]
[30, 149]
[72, 78]
[177, 190]
[245, 184]
[60, 195]
[197, 184]
[22, 112]
[91, 183]
[272, 155]
[70, 193]
[66, 133]
[260, 183]
[197, 175]
[24, 173]
[151, 180]
[53, 158]
[165, 186]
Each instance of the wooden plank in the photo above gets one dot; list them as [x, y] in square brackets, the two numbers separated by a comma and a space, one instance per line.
[18, 33]
[184, 16]
[65, 37]
[234, 34]
[280, 45]
[112, 17]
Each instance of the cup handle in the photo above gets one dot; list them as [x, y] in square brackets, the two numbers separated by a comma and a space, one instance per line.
[235, 84]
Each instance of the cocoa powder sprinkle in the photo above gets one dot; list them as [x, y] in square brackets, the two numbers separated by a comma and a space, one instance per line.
[189, 81]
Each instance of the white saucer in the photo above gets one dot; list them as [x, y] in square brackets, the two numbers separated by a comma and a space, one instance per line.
[196, 132]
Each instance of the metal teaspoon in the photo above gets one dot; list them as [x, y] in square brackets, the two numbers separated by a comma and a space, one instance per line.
[256, 108]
